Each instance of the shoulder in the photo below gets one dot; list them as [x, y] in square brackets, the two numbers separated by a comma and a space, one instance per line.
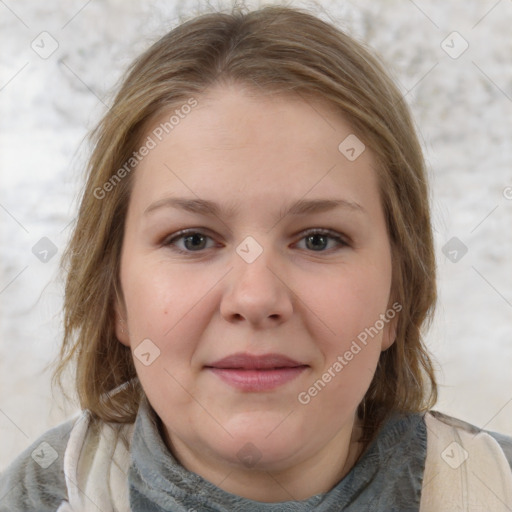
[504, 441]
[466, 468]
[35, 479]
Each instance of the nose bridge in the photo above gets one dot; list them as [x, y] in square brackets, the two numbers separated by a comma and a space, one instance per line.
[256, 291]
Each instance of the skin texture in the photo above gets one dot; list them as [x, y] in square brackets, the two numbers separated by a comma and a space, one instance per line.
[304, 298]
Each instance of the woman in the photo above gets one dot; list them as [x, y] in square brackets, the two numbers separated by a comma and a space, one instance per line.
[248, 278]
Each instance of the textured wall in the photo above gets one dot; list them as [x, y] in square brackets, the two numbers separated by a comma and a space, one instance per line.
[58, 65]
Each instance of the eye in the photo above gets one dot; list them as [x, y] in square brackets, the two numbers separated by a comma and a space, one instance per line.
[189, 241]
[193, 241]
[317, 239]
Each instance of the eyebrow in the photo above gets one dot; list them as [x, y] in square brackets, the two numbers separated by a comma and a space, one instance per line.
[300, 207]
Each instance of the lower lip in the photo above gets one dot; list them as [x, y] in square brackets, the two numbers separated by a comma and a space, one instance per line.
[258, 380]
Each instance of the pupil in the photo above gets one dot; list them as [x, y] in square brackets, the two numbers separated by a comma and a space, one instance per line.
[322, 237]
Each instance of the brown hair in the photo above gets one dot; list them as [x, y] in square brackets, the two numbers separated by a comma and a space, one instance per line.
[277, 49]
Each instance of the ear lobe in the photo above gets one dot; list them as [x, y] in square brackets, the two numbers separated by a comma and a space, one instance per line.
[121, 327]
[389, 333]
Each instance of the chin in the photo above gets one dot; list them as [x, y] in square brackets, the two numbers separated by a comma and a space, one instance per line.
[258, 455]
[265, 445]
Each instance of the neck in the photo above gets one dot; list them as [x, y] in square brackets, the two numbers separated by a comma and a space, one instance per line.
[312, 475]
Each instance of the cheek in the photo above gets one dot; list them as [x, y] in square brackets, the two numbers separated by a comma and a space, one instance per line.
[159, 297]
[164, 306]
[349, 310]
[172, 306]
[339, 385]
[348, 302]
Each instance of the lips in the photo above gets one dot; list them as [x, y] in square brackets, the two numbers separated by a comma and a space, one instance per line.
[254, 373]
[251, 362]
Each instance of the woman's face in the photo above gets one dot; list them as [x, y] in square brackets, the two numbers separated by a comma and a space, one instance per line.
[254, 338]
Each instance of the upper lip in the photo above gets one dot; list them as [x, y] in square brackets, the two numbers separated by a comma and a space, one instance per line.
[246, 361]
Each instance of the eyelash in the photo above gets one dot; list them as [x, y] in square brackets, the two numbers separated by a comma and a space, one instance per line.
[341, 241]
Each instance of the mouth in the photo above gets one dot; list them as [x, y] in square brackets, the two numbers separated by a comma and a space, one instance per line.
[252, 373]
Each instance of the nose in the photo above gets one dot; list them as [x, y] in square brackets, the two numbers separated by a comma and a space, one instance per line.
[257, 292]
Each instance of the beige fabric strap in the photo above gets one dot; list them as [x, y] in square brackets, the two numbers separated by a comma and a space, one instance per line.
[95, 466]
[465, 470]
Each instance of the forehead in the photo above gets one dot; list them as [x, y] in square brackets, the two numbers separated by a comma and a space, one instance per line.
[239, 144]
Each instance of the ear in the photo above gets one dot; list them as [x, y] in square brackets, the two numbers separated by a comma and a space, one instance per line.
[121, 326]
[389, 332]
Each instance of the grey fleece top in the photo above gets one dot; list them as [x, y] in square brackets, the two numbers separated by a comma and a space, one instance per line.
[388, 477]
